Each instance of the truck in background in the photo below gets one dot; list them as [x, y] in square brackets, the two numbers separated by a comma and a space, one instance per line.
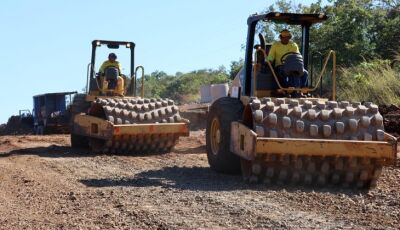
[51, 112]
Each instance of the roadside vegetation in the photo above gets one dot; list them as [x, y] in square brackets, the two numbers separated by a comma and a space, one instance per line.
[183, 88]
[372, 81]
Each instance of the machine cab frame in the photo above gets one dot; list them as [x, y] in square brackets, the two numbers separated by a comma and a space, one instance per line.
[249, 85]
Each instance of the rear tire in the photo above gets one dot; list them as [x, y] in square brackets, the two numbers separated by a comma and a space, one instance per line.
[79, 105]
[78, 141]
[218, 135]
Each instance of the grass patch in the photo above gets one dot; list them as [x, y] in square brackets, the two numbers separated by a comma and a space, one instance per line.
[373, 81]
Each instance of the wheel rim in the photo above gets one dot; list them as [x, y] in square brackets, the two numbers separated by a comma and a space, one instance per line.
[215, 136]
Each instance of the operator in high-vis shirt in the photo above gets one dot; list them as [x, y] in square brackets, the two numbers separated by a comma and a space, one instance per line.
[111, 62]
[111, 71]
[277, 54]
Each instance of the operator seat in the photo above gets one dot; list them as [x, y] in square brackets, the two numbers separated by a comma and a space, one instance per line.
[111, 76]
[112, 81]
[294, 65]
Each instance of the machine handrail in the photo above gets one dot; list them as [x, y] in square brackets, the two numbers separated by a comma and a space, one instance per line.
[103, 91]
[142, 86]
[311, 72]
[332, 54]
[271, 68]
[88, 68]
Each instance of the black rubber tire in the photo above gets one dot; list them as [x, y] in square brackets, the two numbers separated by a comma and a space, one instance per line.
[78, 141]
[79, 105]
[225, 110]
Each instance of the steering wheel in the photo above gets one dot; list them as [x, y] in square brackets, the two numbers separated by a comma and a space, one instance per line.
[286, 54]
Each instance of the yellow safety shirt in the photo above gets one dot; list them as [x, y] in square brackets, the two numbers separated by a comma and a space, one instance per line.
[278, 50]
[109, 63]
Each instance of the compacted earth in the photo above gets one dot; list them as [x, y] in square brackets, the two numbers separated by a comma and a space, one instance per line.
[45, 184]
[391, 115]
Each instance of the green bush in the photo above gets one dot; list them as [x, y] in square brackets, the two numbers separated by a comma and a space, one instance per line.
[372, 81]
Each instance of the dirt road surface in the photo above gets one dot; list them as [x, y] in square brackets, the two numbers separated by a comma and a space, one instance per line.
[44, 184]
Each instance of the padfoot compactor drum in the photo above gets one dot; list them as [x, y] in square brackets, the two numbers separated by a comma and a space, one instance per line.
[275, 136]
[108, 122]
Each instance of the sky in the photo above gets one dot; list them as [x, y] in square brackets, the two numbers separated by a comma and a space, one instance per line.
[46, 44]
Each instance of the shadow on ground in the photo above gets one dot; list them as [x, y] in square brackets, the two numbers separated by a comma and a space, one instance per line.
[52, 151]
[184, 178]
[194, 150]
[57, 151]
[202, 179]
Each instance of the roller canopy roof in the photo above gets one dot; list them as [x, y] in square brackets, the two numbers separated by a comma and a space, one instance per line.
[289, 18]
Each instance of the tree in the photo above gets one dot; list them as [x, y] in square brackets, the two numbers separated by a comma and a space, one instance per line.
[357, 30]
[154, 84]
[235, 68]
[183, 87]
[387, 36]
[186, 87]
[271, 30]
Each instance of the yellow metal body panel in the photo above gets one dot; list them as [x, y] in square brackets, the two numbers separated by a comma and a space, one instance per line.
[262, 93]
[245, 143]
[325, 148]
[160, 128]
[91, 126]
[119, 90]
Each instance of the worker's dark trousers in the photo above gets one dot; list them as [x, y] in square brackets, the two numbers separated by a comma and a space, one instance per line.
[293, 81]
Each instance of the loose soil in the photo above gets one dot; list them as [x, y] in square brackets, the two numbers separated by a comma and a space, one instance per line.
[391, 121]
[45, 184]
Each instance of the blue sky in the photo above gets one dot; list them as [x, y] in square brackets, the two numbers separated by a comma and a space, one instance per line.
[45, 45]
